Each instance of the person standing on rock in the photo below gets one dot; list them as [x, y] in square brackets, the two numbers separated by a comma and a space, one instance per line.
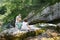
[18, 23]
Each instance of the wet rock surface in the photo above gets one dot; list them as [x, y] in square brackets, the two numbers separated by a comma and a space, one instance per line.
[16, 34]
[48, 35]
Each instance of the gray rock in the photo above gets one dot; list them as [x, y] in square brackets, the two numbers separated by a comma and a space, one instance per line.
[10, 31]
[50, 14]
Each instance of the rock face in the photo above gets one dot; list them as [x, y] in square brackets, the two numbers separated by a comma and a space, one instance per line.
[50, 14]
[15, 34]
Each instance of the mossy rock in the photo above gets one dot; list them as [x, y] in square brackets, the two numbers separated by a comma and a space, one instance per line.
[22, 36]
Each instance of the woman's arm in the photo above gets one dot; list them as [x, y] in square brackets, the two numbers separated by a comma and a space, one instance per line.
[28, 26]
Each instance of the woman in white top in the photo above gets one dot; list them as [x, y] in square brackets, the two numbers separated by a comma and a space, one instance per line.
[25, 25]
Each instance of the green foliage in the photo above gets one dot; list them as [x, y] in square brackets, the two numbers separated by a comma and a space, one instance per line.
[13, 7]
[3, 10]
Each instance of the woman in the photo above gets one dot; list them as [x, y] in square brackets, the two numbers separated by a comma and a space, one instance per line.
[25, 25]
[18, 23]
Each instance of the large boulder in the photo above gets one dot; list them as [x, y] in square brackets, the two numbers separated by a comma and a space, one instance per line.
[50, 14]
[16, 34]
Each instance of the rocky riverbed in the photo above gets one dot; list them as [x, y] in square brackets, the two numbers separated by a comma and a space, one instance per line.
[48, 35]
[16, 34]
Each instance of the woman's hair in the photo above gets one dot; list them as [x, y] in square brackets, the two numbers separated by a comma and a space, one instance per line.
[25, 20]
[19, 15]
